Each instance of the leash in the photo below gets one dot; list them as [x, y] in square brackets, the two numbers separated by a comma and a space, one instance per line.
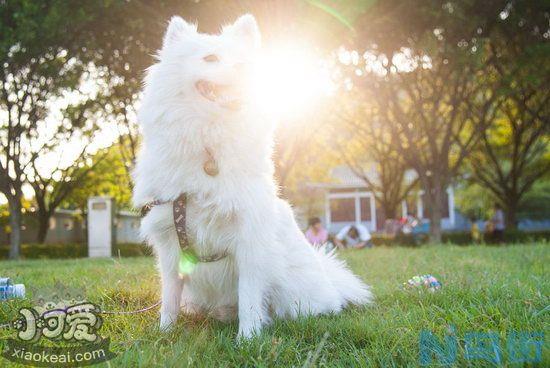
[8, 325]
[142, 310]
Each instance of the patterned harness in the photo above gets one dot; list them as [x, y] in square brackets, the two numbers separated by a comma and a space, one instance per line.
[179, 212]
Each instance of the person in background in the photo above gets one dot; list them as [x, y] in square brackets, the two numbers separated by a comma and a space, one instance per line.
[315, 233]
[498, 224]
[475, 232]
[353, 236]
[408, 223]
[488, 231]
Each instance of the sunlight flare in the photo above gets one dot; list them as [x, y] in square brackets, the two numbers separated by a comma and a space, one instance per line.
[290, 80]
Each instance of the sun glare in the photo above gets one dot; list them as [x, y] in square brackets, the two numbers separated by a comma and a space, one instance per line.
[290, 80]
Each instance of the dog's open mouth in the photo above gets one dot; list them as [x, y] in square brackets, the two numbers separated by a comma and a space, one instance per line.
[218, 93]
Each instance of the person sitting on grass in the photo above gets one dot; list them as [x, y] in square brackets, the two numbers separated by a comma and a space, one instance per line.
[315, 233]
[498, 224]
[353, 236]
[408, 223]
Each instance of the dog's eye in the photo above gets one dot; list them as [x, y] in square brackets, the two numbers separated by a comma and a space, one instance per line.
[211, 58]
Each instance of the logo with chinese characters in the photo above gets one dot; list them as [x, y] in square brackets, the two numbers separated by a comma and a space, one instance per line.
[61, 330]
[522, 347]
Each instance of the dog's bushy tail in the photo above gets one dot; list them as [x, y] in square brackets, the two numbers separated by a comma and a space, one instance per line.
[350, 287]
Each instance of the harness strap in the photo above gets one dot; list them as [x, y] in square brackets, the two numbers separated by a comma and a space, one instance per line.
[179, 213]
[149, 206]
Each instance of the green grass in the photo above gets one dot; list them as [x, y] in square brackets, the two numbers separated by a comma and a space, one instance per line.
[497, 289]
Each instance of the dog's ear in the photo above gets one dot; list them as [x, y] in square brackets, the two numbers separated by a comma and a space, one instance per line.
[246, 28]
[177, 30]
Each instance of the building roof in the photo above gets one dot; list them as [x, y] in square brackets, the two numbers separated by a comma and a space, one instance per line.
[343, 177]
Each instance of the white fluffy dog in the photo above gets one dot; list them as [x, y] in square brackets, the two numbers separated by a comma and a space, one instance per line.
[194, 114]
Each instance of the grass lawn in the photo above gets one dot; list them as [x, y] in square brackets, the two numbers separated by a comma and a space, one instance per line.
[485, 289]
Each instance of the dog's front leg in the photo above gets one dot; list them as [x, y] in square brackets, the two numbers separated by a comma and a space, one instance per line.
[172, 284]
[252, 290]
[255, 263]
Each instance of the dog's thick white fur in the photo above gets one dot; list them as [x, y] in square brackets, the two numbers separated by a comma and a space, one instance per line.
[271, 270]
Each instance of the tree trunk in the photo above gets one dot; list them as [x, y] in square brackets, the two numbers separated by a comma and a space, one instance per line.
[510, 212]
[435, 216]
[15, 225]
[43, 226]
[389, 210]
[434, 188]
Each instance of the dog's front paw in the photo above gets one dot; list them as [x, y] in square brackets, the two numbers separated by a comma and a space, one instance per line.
[246, 334]
[248, 331]
[167, 321]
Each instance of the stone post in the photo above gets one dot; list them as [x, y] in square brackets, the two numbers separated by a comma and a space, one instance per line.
[101, 233]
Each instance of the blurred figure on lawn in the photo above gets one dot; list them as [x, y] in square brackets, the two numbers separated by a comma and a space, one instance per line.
[475, 232]
[408, 223]
[498, 225]
[316, 234]
[353, 236]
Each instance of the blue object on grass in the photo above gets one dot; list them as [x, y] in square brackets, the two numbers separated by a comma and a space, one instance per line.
[9, 290]
[421, 228]
[423, 281]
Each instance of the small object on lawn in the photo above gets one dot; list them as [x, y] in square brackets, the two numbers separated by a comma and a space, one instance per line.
[424, 281]
[9, 290]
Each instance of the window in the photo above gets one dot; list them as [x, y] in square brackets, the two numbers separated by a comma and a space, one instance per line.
[411, 204]
[342, 209]
[365, 208]
[352, 207]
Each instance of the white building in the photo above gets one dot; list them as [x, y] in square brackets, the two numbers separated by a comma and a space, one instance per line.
[347, 200]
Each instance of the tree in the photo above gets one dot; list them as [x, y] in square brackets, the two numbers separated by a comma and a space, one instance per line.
[535, 205]
[369, 150]
[52, 183]
[474, 201]
[44, 49]
[37, 53]
[431, 83]
[50, 190]
[512, 155]
[435, 113]
[105, 176]
[294, 144]
[515, 151]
